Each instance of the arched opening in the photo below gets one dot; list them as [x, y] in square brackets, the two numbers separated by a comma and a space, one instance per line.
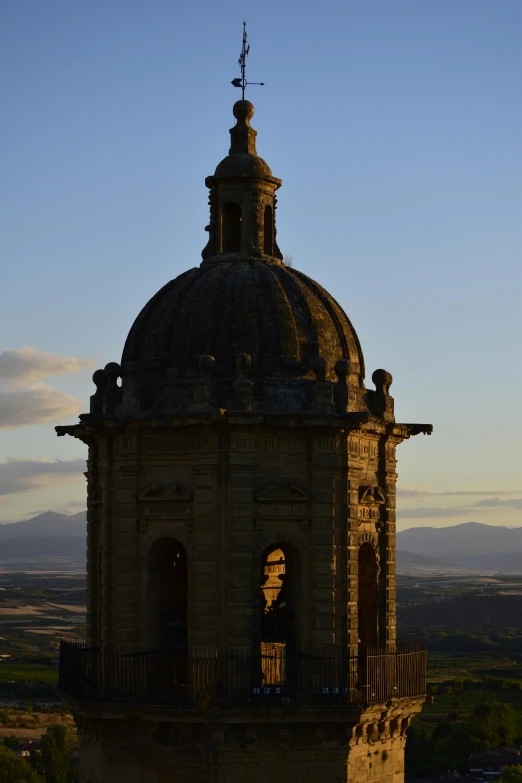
[167, 596]
[230, 227]
[268, 232]
[279, 588]
[367, 597]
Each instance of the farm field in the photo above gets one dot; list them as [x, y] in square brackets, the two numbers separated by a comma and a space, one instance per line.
[36, 611]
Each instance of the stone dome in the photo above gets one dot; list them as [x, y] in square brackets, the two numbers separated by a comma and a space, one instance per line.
[243, 164]
[276, 315]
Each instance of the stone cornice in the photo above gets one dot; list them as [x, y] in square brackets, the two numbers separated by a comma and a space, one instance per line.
[92, 426]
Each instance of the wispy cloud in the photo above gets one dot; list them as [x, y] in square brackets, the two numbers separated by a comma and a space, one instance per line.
[28, 365]
[480, 506]
[18, 475]
[24, 399]
[411, 492]
[496, 502]
[21, 408]
[427, 512]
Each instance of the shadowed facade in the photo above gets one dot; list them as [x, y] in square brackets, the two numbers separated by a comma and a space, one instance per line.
[241, 527]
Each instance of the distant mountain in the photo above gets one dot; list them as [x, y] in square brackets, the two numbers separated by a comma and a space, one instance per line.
[470, 538]
[56, 541]
[472, 545]
[48, 542]
[45, 525]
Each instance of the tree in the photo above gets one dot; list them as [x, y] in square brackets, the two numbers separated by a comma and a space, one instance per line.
[494, 724]
[55, 762]
[11, 741]
[443, 729]
[14, 769]
[512, 774]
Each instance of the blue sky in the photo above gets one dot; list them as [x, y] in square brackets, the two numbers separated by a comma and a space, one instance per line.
[395, 126]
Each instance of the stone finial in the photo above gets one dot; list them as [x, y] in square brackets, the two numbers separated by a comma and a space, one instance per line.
[113, 394]
[100, 380]
[342, 370]
[243, 388]
[202, 395]
[382, 400]
[206, 364]
[323, 389]
[242, 136]
[243, 364]
[320, 368]
[382, 380]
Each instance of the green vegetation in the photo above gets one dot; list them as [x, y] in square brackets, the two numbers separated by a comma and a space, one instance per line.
[492, 641]
[433, 748]
[512, 774]
[474, 696]
[28, 673]
[54, 763]
[16, 770]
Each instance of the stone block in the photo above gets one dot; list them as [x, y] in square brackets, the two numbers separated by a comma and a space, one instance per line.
[324, 496]
[323, 553]
[243, 524]
[124, 552]
[323, 510]
[323, 582]
[243, 596]
[324, 567]
[204, 594]
[124, 496]
[204, 495]
[323, 524]
[323, 538]
[324, 608]
[323, 637]
[325, 595]
[204, 567]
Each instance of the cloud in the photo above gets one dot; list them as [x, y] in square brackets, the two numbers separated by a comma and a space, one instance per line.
[36, 406]
[487, 505]
[496, 502]
[24, 400]
[426, 512]
[410, 492]
[29, 365]
[19, 475]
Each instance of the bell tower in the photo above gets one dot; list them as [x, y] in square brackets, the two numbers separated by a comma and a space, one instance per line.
[241, 528]
[242, 197]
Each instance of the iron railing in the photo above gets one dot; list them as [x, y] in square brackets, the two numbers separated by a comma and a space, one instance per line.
[205, 678]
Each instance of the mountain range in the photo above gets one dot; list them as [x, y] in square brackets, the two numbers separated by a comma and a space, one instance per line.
[471, 545]
[52, 541]
[48, 542]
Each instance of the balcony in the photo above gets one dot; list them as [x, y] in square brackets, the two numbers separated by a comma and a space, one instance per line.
[206, 679]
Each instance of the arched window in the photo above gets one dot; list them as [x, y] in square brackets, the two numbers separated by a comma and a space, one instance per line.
[167, 597]
[279, 613]
[367, 597]
[230, 227]
[268, 232]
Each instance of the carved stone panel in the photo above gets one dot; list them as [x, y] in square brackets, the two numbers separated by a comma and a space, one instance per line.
[282, 500]
[169, 500]
[370, 500]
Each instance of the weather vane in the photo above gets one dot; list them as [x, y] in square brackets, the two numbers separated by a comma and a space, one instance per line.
[242, 82]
